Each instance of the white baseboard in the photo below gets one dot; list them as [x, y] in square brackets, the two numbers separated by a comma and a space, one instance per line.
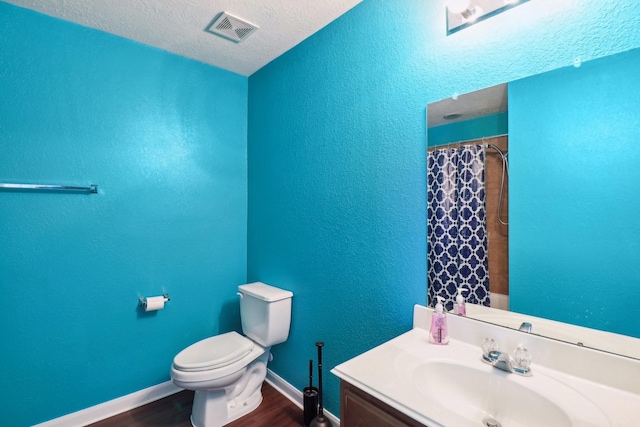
[293, 394]
[113, 407]
[139, 398]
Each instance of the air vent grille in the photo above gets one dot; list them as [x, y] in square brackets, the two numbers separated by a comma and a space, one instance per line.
[231, 27]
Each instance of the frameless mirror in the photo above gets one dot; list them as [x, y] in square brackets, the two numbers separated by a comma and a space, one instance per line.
[573, 197]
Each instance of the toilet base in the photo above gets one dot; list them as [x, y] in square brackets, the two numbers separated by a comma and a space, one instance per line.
[219, 407]
[211, 418]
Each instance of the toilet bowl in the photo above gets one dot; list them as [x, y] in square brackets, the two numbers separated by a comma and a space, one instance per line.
[226, 371]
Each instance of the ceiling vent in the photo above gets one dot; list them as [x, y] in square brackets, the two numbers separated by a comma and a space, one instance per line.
[231, 27]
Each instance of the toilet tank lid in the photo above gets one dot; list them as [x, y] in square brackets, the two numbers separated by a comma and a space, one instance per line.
[265, 292]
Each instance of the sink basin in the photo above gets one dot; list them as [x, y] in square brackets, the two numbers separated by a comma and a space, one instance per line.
[481, 395]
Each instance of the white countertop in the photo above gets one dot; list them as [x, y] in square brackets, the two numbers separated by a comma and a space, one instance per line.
[372, 372]
[385, 373]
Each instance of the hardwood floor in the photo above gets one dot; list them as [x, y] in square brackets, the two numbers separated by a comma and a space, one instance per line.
[274, 411]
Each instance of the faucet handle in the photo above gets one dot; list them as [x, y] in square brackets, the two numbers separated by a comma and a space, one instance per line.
[488, 345]
[522, 357]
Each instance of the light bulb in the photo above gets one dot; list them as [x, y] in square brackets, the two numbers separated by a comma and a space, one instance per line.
[458, 6]
[471, 14]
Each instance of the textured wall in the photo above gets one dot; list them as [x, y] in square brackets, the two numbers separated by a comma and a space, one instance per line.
[336, 185]
[337, 154]
[491, 125]
[165, 140]
[574, 193]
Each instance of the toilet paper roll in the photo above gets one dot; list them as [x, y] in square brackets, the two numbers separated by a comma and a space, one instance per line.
[154, 303]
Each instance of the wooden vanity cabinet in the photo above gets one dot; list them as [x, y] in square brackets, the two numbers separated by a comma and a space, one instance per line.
[359, 409]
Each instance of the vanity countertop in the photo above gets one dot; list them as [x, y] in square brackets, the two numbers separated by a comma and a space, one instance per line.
[389, 373]
[373, 373]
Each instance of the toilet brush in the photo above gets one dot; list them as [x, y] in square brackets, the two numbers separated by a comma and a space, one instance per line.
[320, 420]
[310, 399]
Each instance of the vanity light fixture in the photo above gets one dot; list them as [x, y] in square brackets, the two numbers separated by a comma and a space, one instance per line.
[458, 6]
[464, 13]
[463, 8]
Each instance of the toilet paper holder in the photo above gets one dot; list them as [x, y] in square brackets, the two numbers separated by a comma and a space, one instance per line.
[142, 301]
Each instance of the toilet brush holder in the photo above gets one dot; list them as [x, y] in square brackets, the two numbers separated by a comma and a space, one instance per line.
[310, 403]
[309, 399]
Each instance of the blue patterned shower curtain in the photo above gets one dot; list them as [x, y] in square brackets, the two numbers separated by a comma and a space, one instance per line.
[456, 230]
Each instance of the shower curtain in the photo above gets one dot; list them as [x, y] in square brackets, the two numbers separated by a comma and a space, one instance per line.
[456, 230]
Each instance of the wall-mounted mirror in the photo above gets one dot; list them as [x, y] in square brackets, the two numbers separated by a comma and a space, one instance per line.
[571, 238]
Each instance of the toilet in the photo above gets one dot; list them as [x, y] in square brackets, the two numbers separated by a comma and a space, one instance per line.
[226, 371]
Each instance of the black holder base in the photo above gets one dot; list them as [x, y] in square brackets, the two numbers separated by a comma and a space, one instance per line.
[310, 404]
[321, 421]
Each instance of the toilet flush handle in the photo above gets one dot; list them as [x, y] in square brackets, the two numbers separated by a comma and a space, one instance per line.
[240, 294]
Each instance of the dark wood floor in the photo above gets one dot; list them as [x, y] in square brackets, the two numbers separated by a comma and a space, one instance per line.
[274, 411]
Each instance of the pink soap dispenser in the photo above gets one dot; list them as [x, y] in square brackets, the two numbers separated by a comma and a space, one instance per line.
[439, 333]
[460, 307]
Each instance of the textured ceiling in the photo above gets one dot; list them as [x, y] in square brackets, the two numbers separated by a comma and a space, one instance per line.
[480, 103]
[177, 26]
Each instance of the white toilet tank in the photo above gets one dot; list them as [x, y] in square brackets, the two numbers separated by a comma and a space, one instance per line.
[265, 312]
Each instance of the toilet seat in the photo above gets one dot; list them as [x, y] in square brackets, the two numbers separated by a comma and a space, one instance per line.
[213, 353]
[205, 377]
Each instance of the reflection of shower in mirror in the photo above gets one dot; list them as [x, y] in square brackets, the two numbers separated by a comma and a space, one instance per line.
[505, 175]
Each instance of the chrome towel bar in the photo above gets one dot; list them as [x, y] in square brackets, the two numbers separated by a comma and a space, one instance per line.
[92, 189]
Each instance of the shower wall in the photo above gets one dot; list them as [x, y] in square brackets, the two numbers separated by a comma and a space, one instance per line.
[498, 233]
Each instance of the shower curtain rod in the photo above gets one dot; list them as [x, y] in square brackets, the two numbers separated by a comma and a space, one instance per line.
[92, 189]
[453, 144]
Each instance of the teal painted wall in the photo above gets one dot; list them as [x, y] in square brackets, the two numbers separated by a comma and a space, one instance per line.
[337, 154]
[574, 198]
[480, 127]
[165, 140]
[336, 185]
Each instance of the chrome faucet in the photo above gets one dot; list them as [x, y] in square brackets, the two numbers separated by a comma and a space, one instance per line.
[526, 327]
[519, 363]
